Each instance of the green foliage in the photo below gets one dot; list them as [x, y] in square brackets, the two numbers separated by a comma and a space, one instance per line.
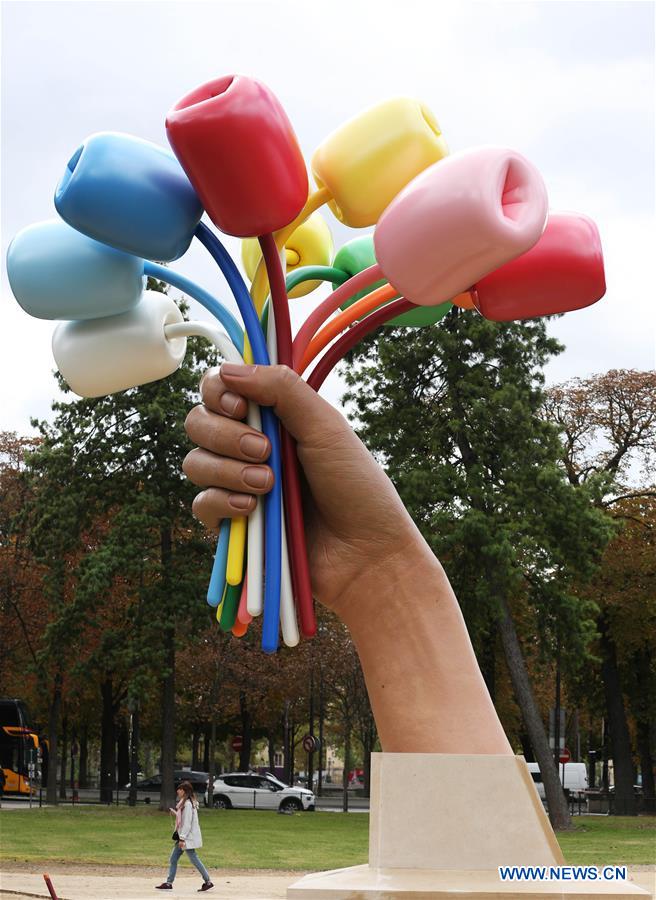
[453, 413]
[111, 524]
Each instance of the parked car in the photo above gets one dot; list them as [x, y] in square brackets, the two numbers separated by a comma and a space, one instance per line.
[576, 777]
[247, 790]
[154, 783]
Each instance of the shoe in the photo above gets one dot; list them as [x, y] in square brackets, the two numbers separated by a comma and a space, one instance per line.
[207, 886]
[164, 886]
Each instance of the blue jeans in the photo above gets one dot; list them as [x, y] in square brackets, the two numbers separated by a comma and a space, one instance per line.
[176, 853]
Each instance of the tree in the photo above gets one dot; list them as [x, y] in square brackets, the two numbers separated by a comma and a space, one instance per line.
[608, 429]
[453, 413]
[119, 458]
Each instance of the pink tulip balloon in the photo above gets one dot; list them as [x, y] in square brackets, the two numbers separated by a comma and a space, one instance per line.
[458, 220]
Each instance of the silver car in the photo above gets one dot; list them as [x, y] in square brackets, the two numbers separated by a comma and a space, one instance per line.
[247, 790]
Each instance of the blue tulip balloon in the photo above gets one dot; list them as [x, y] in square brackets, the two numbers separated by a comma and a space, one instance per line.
[57, 273]
[131, 194]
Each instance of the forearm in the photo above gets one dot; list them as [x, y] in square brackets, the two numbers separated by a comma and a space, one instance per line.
[426, 689]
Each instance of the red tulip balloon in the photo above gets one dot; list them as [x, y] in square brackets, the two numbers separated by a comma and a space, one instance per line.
[239, 150]
[562, 272]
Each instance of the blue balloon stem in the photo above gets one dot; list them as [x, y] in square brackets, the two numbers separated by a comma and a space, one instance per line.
[273, 500]
[218, 578]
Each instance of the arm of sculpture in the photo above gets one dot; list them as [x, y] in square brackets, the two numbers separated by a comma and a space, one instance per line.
[369, 562]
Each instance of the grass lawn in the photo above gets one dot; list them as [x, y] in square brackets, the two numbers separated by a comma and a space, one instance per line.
[249, 839]
[232, 839]
[620, 840]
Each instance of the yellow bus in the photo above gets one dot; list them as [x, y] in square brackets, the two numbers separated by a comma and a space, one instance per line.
[19, 747]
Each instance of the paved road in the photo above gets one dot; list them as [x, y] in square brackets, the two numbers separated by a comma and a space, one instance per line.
[324, 804]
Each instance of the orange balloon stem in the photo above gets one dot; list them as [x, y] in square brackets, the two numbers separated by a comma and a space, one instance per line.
[239, 629]
[465, 300]
[344, 319]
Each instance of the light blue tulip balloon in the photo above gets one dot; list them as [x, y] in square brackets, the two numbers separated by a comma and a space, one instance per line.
[131, 194]
[57, 273]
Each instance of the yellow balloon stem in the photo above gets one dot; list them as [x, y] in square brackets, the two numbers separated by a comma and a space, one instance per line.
[219, 608]
[260, 286]
[236, 548]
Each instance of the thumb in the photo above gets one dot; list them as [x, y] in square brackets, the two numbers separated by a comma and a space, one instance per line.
[305, 415]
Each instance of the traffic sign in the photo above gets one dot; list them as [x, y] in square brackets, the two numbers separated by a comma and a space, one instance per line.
[565, 756]
[237, 743]
[310, 743]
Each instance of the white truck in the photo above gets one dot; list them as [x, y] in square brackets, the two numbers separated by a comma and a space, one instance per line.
[575, 780]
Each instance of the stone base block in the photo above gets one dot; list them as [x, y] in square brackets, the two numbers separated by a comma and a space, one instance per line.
[456, 811]
[366, 883]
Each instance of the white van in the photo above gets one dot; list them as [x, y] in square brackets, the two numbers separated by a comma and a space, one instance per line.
[576, 777]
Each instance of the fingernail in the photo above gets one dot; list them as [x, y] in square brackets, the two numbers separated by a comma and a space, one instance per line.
[240, 501]
[256, 476]
[230, 402]
[233, 369]
[254, 445]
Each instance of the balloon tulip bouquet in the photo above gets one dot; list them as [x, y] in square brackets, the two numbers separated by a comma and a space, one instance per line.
[472, 228]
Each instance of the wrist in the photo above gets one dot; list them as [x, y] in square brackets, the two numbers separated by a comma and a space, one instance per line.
[392, 588]
[425, 687]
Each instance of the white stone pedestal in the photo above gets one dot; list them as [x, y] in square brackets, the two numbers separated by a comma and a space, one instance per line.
[441, 824]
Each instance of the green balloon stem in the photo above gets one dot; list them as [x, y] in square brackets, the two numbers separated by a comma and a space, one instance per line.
[302, 274]
[230, 607]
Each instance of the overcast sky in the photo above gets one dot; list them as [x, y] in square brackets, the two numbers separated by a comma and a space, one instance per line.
[568, 84]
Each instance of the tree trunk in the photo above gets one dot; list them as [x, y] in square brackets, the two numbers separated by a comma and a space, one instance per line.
[195, 742]
[123, 756]
[310, 757]
[271, 747]
[347, 765]
[620, 742]
[287, 777]
[557, 805]
[643, 729]
[366, 763]
[107, 742]
[134, 756]
[642, 706]
[321, 722]
[211, 767]
[488, 659]
[53, 729]
[83, 771]
[605, 784]
[292, 751]
[527, 750]
[64, 758]
[167, 796]
[206, 747]
[246, 734]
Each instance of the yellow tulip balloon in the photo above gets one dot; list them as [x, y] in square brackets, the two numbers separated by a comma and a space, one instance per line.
[311, 244]
[368, 160]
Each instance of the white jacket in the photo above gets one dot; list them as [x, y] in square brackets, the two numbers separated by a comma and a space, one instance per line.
[189, 830]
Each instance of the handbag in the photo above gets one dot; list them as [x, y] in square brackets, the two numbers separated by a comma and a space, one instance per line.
[175, 836]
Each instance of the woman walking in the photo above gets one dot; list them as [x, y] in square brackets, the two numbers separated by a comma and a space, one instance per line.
[189, 837]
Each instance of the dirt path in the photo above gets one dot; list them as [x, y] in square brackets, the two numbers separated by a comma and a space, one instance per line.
[80, 882]
[133, 883]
